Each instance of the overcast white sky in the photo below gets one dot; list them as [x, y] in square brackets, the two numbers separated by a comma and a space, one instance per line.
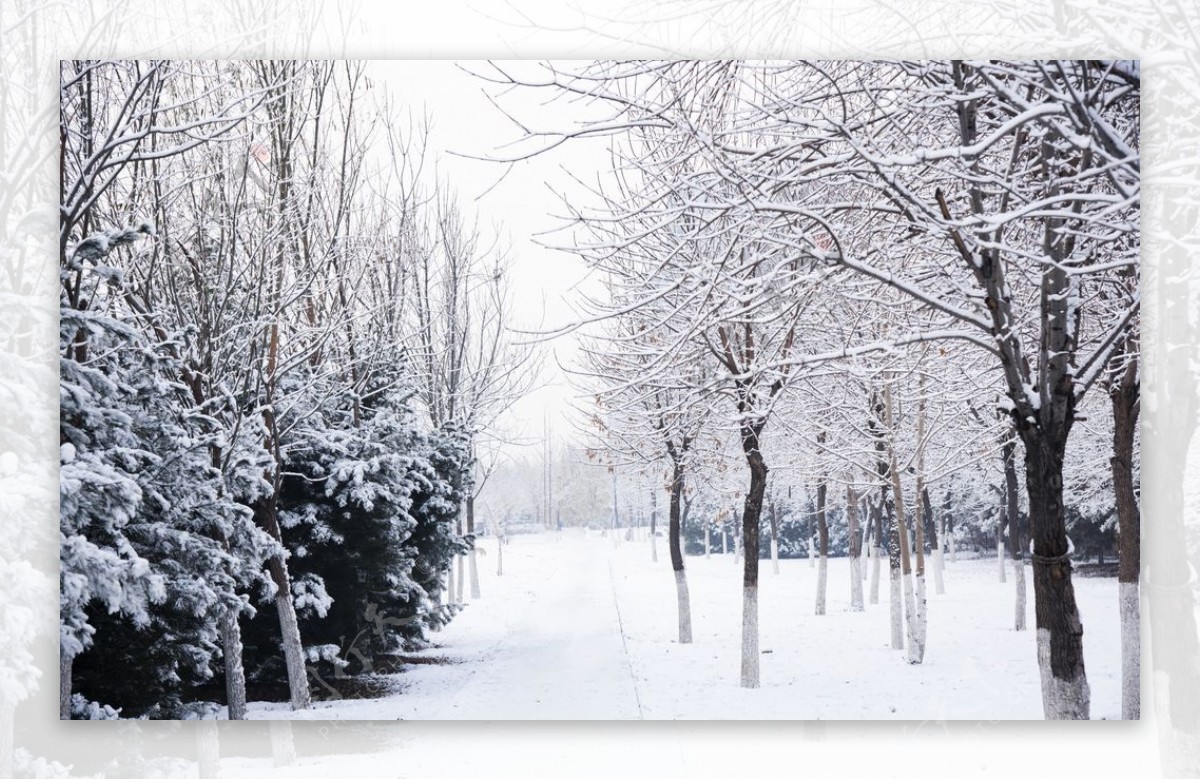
[519, 205]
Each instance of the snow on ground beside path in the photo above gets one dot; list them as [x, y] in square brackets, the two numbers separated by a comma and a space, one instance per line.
[580, 628]
[840, 665]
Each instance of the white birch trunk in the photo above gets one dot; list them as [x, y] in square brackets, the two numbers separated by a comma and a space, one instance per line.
[1000, 555]
[822, 581]
[1061, 699]
[897, 609]
[1019, 579]
[499, 557]
[208, 749]
[812, 553]
[1131, 652]
[653, 549]
[724, 542]
[473, 567]
[450, 585]
[750, 678]
[866, 557]
[910, 610]
[235, 672]
[774, 556]
[953, 548]
[685, 608]
[876, 554]
[707, 541]
[856, 584]
[737, 547]
[911, 617]
[916, 646]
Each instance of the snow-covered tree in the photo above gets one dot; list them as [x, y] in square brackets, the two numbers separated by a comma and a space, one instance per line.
[1000, 197]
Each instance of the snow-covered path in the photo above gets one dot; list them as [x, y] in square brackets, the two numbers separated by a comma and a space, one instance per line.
[561, 655]
[581, 629]
[544, 642]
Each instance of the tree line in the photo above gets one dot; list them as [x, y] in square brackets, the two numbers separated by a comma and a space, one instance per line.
[283, 346]
[878, 276]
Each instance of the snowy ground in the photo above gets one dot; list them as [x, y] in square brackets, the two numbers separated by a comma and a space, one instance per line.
[578, 628]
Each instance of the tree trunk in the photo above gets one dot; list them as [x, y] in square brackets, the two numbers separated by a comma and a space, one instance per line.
[707, 540]
[289, 628]
[774, 513]
[751, 514]
[653, 526]
[293, 649]
[674, 543]
[916, 649]
[235, 673]
[1016, 544]
[472, 564]
[856, 589]
[737, 545]
[897, 606]
[750, 675]
[616, 518]
[864, 512]
[948, 524]
[457, 561]
[500, 555]
[939, 559]
[1065, 693]
[684, 607]
[1125, 406]
[893, 554]
[823, 537]
[877, 543]
[1000, 522]
[460, 580]
[897, 533]
[65, 663]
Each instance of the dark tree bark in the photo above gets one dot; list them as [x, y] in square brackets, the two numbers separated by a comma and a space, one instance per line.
[1060, 633]
[674, 534]
[1125, 397]
[875, 510]
[265, 513]
[65, 665]
[822, 538]
[471, 560]
[1016, 541]
[893, 541]
[1042, 402]
[751, 515]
